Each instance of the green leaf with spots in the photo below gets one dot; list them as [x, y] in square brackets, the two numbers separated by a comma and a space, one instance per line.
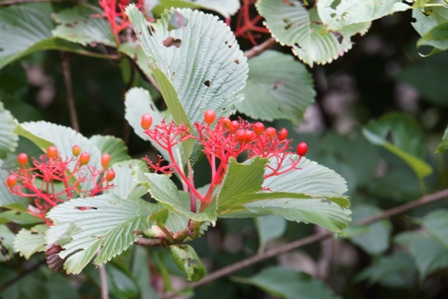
[188, 261]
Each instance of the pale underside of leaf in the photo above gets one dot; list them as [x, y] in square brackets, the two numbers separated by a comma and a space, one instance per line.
[295, 26]
[111, 145]
[105, 224]
[200, 57]
[8, 139]
[28, 242]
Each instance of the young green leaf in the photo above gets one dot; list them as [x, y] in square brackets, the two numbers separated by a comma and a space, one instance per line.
[111, 145]
[443, 145]
[8, 140]
[125, 181]
[282, 93]
[188, 261]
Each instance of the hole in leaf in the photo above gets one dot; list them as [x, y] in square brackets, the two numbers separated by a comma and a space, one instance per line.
[237, 61]
[85, 208]
[1, 49]
[335, 4]
[338, 36]
[177, 21]
[297, 45]
[172, 41]
[333, 15]
[207, 83]
[69, 25]
[278, 83]
[287, 2]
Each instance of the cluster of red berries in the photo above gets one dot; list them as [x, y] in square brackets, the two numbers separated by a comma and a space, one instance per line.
[221, 140]
[37, 181]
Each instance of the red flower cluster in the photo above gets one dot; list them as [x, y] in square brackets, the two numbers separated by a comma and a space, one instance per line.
[224, 140]
[114, 13]
[50, 180]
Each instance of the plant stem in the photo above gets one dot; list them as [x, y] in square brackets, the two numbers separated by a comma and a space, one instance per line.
[317, 237]
[257, 50]
[103, 281]
[65, 62]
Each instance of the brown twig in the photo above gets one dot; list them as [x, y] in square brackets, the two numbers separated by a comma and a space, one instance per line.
[257, 50]
[65, 62]
[316, 237]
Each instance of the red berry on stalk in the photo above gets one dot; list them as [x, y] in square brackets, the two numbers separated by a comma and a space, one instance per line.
[225, 122]
[22, 158]
[258, 128]
[110, 175]
[76, 149]
[302, 148]
[84, 158]
[146, 121]
[105, 159]
[234, 126]
[249, 136]
[11, 181]
[209, 116]
[240, 136]
[282, 134]
[52, 151]
[271, 132]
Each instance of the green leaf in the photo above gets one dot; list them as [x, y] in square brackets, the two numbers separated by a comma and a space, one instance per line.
[241, 180]
[111, 145]
[427, 76]
[26, 28]
[78, 25]
[376, 240]
[105, 224]
[121, 284]
[393, 271]
[437, 38]
[269, 228]
[30, 241]
[6, 243]
[215, 72]
[289, 284]
[188, 261]
[8, 140]
[436, 223]
[337, 14]
[406, 140]
[282, 93]
[125, 182]
[6, 197]
[225, 8]
[317, 211]
[295, 26]
[165, 192]
[443, 145]
[309, 178]
[429, 254]
[19, 215]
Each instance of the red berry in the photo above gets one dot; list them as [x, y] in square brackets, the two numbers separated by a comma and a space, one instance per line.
[282, 134]
[110, 175]
[22, 158]
[249, 136]
[271, 132]
[52, 151]
[225, 122]
[209, 116]
[11, 181]
[146, 121]
[105, 159]
[234, 126]
[302, 148]
[76, 149]
[240, 136]
[258, 128]
[84, 158]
